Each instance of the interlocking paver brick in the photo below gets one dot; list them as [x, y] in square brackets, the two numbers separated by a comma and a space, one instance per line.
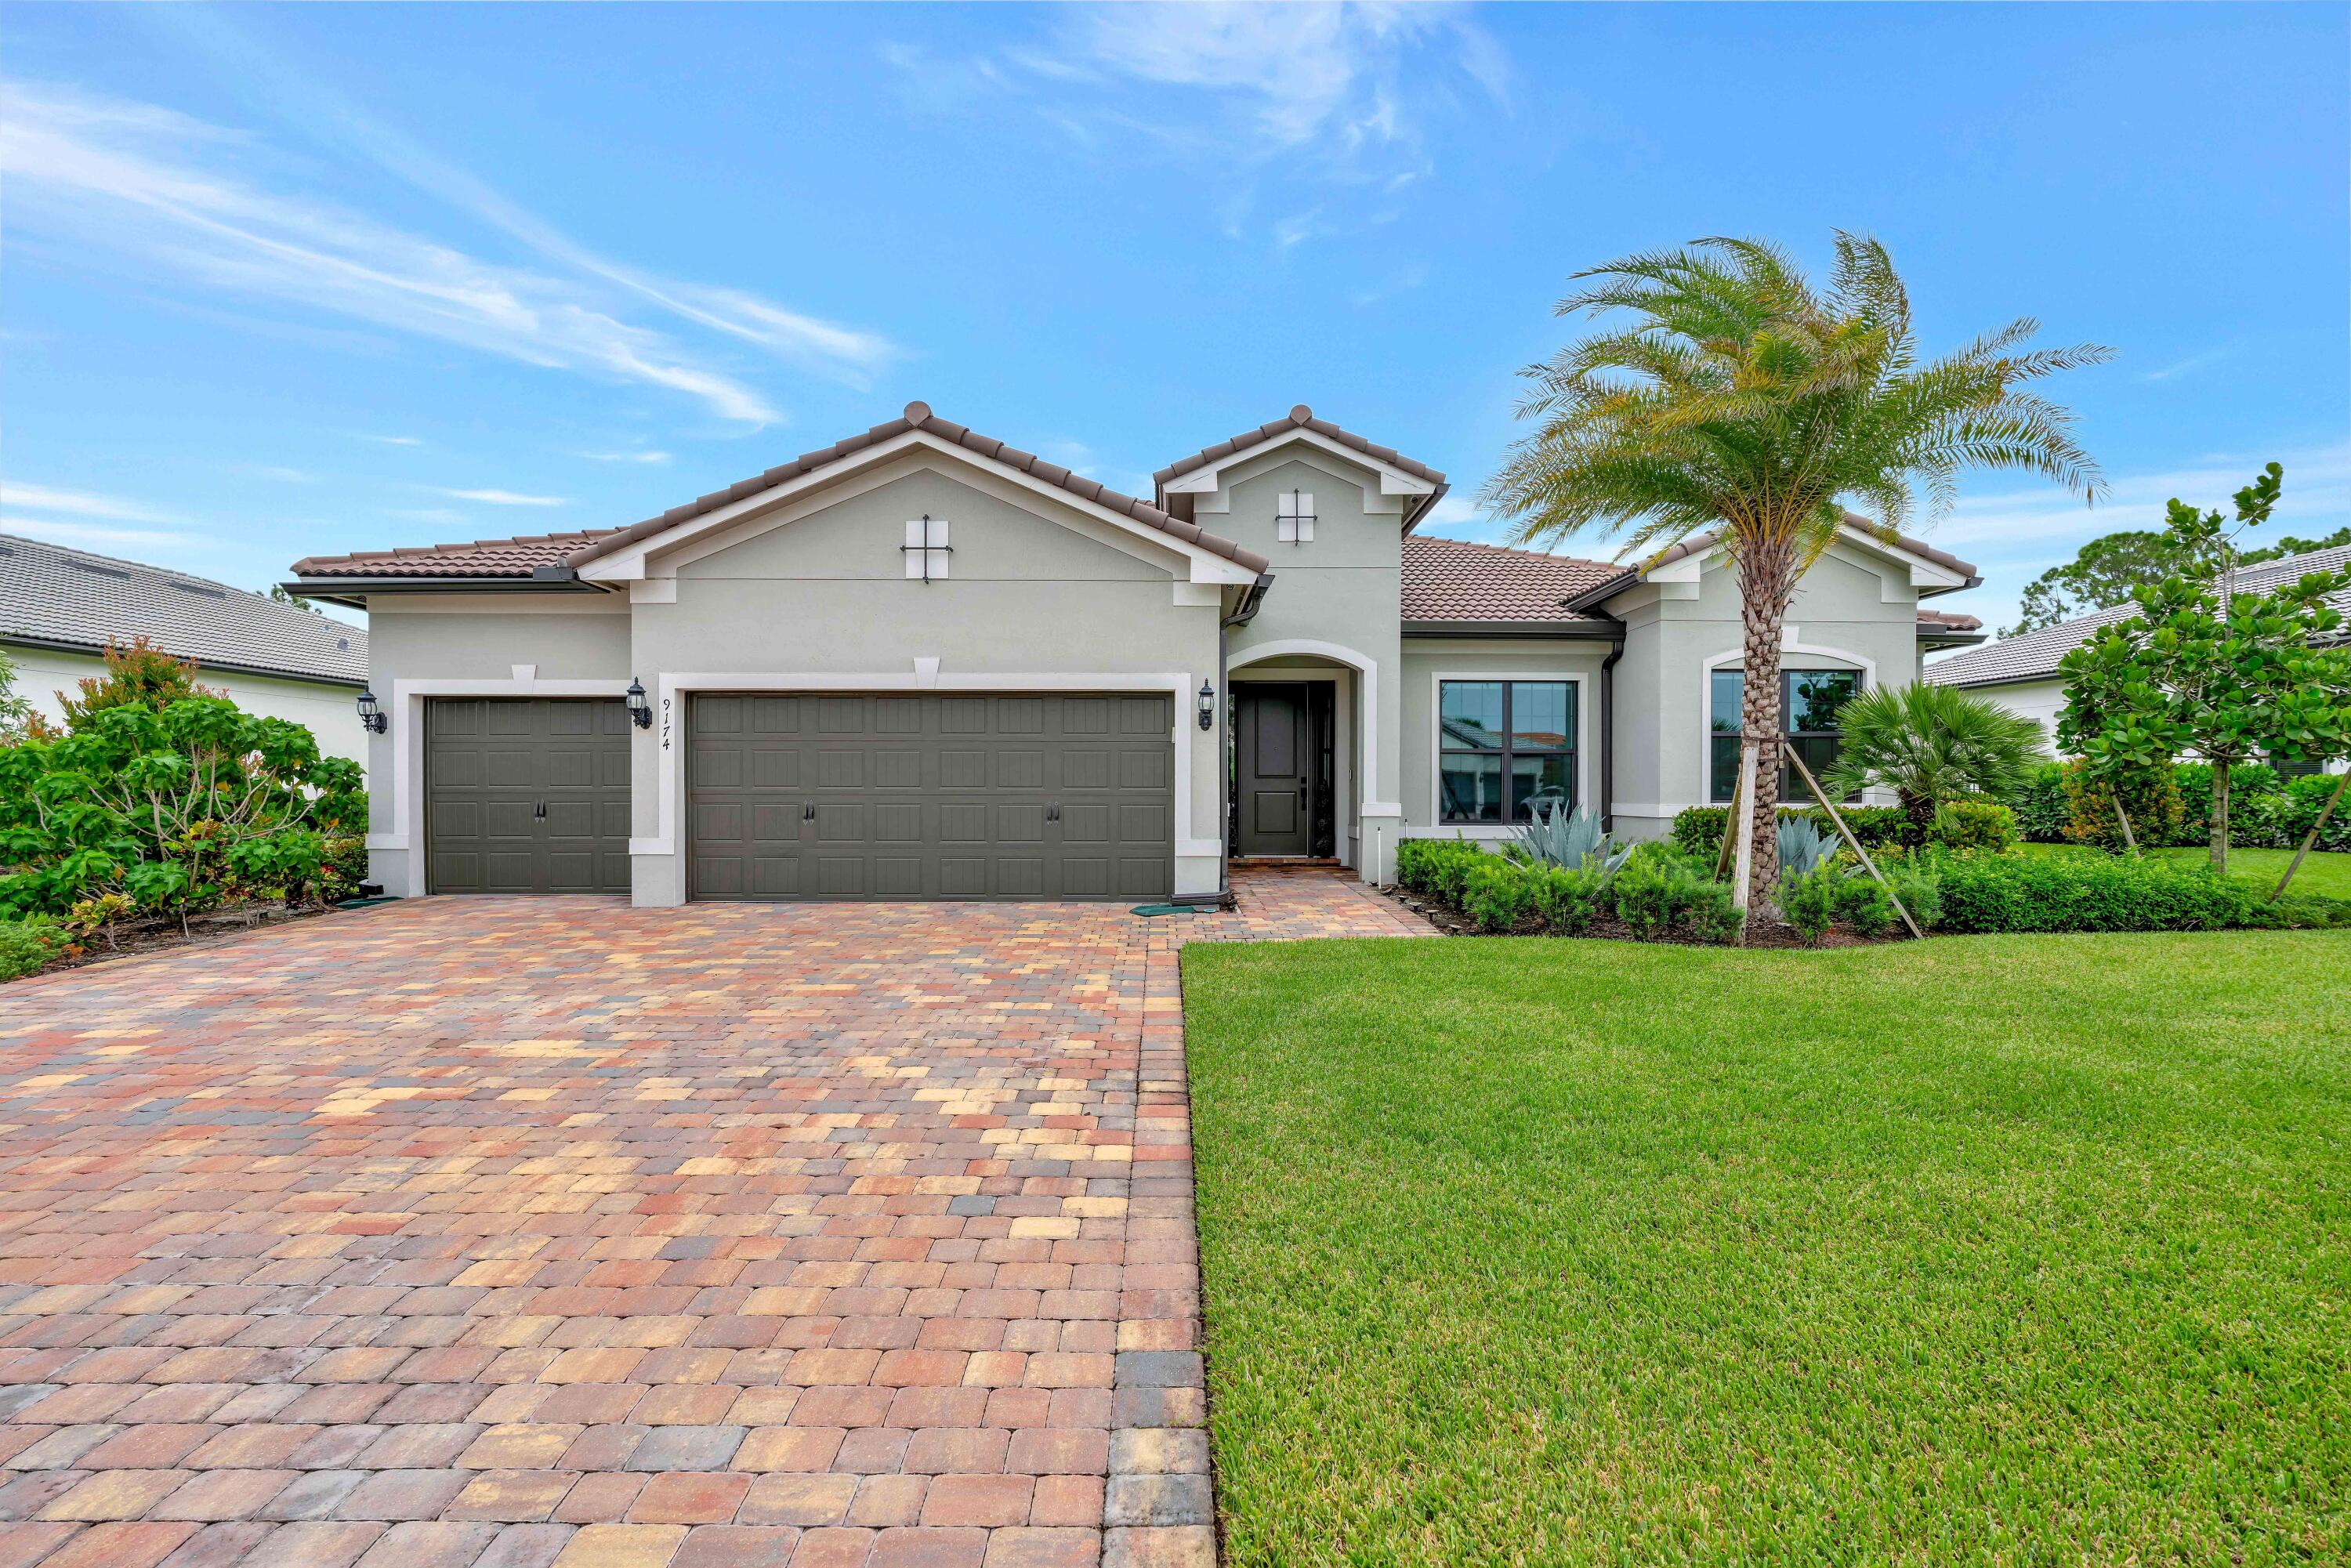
[500, 1221]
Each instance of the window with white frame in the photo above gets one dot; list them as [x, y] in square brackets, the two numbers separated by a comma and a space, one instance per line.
[1809, 701]
[1293, 517]
[926, 549]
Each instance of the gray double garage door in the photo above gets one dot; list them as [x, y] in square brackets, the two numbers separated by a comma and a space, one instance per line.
[930, 795]
[841, 796]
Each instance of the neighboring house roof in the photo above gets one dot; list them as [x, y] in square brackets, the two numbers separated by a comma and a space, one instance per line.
[2033, 656]
[1303, 418]
[1949, 620]
[1454, 580]
[59, 598]
[520, 558]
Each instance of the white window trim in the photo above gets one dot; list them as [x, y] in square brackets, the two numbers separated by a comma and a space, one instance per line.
[1437, 826]
[1294, 516]
[1861, 662]
[928, 550]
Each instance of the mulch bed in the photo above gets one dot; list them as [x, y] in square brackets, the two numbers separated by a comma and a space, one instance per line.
[209, 929]
[1608, 928]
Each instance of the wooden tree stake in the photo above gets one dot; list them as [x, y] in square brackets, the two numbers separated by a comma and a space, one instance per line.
[1746, 835]
[1729, 849]
[2310, 838]
[1830, 807]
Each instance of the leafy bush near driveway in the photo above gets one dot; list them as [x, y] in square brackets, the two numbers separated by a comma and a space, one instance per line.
[28, 943]
[1656, 893]
[163, 799]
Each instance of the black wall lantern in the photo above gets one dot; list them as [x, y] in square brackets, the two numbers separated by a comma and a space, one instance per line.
[1207, 706]
[371, 715]
[640, 711]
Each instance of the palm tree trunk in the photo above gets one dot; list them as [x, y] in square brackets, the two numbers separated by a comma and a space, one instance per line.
[1919, 809]
[1765, 582]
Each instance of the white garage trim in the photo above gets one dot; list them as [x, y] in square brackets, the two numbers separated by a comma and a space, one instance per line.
[406, 837]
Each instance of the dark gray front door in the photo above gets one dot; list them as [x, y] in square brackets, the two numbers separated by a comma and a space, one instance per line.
[527, 795]
[847, 796]
[1275, 764]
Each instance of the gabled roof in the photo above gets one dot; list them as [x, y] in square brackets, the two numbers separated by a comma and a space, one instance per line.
[1455, 581]
[59, 598]
[2033, 656]
[1698, 544]
[1303, 418]
[519, 558]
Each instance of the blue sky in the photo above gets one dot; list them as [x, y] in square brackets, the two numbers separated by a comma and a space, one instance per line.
[289, 280]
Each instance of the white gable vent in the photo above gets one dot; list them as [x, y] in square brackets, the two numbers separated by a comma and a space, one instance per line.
[926, 549]
[1293, 517]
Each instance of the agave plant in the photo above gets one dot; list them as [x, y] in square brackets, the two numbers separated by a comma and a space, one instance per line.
[1555, 836]
[1802, 845]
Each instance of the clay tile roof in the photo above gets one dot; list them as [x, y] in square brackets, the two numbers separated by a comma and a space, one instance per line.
[63, 598]
[1949, 621]
[518, 557]
[1456, 581]
[1300, 418]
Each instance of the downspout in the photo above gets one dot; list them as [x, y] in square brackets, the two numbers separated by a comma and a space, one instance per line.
[1244, 611]
[1608, 735]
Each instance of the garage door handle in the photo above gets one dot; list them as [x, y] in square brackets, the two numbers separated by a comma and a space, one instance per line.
[539, 810]
[1053, 811]
[807, 811]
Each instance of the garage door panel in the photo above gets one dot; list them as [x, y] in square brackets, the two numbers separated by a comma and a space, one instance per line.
[929, 796]
[527, 795]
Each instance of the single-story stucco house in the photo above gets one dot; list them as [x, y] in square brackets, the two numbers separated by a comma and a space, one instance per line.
[921, 663]
[2020, 673]
[60, 608]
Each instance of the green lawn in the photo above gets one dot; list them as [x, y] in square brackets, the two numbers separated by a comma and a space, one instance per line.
[2320, 873]
[1984, 1249]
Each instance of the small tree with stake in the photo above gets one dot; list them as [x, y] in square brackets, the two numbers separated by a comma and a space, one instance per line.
[2202, 667]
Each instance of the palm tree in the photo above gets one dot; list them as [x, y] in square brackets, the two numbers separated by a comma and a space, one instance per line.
[1929, 745]
[1742, 402]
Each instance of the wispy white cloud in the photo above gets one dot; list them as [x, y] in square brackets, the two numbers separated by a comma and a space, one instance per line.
[506, 499]
[2015, 536]
[93, 536]
[14, 494]
[626, 456]
[2183, 367]
[164, 191]
[1320, 93]
[393, 440]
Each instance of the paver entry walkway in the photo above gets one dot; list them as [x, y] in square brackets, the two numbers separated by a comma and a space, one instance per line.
[506, 1233]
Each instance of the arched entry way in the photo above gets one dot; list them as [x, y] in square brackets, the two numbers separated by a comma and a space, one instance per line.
[1303, 724]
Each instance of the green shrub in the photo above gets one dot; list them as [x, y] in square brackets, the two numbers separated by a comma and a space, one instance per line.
[2151, 796]
[1920, 891]
[1650, 893]
[1810, 901]
[27, 944]
[1711, 914]
[1438, 867]
[2039, 805]
[1698, 830]
[1973, 825]
[1863, 904]
[1568, 901]
[2020, 893]
[1498, 896]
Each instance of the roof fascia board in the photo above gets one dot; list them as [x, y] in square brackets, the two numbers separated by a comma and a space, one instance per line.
[1211, 482]
[1148, 545]
[1548, 630]
[632, 564]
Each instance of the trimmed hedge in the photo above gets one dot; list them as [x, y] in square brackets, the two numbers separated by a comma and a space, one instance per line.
[1658, 892]
[2265, 811]
[2088, 893]
[1972, 824]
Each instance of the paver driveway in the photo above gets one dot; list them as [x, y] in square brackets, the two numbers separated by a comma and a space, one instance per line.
[515, 1232]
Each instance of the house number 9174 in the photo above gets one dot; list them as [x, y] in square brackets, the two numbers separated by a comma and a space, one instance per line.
[665, 702]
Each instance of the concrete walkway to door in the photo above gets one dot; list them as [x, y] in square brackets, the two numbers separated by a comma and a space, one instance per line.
[506, 1233]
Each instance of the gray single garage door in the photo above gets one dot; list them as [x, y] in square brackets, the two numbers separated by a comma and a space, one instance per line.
[527, 795]
[881, 796]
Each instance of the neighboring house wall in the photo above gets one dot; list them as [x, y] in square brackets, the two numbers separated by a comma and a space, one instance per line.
[1338, 597]
[1429, 660]
[482, 644]
[1036, 594]
[2042, 700]
[326, 710]
[1851, 611]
